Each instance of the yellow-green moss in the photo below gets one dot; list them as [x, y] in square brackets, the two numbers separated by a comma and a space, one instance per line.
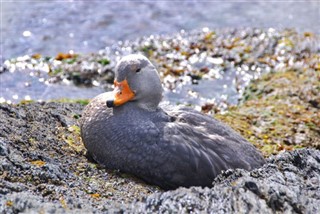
[276, 114]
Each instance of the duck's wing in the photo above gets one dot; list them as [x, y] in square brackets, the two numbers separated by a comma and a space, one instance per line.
[226, 140]
[201, 147]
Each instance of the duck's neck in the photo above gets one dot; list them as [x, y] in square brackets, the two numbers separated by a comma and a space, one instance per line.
[134, 107]
[148, 106]
[149, 101]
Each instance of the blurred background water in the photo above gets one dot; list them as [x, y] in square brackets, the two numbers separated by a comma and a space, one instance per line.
[48, 27]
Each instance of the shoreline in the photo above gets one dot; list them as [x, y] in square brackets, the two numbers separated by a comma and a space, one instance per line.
[223, 61]
[43, 166]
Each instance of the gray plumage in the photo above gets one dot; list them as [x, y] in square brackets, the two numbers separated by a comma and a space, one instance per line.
[168, 147]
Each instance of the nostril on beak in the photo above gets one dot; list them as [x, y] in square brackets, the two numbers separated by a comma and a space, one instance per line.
[110, 103]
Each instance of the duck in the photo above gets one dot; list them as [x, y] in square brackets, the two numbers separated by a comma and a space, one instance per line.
[129, 130]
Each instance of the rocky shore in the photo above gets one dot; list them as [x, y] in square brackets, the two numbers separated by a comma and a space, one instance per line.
[44, 167]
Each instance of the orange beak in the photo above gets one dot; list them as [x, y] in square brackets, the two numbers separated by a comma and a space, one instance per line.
[123, 94]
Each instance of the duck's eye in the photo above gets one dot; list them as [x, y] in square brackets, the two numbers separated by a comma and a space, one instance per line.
[138, 70]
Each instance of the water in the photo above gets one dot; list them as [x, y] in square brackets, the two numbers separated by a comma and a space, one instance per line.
[26, 85]
[48, 27]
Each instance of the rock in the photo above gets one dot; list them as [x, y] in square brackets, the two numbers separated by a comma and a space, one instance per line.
[289, 182]
[43, 168]
[42, 157]
[26, 203]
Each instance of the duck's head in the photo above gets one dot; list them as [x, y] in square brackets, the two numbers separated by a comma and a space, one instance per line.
[136, 80]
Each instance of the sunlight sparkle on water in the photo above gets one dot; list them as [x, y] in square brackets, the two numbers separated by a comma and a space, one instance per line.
[27, 97]
[26, 33]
